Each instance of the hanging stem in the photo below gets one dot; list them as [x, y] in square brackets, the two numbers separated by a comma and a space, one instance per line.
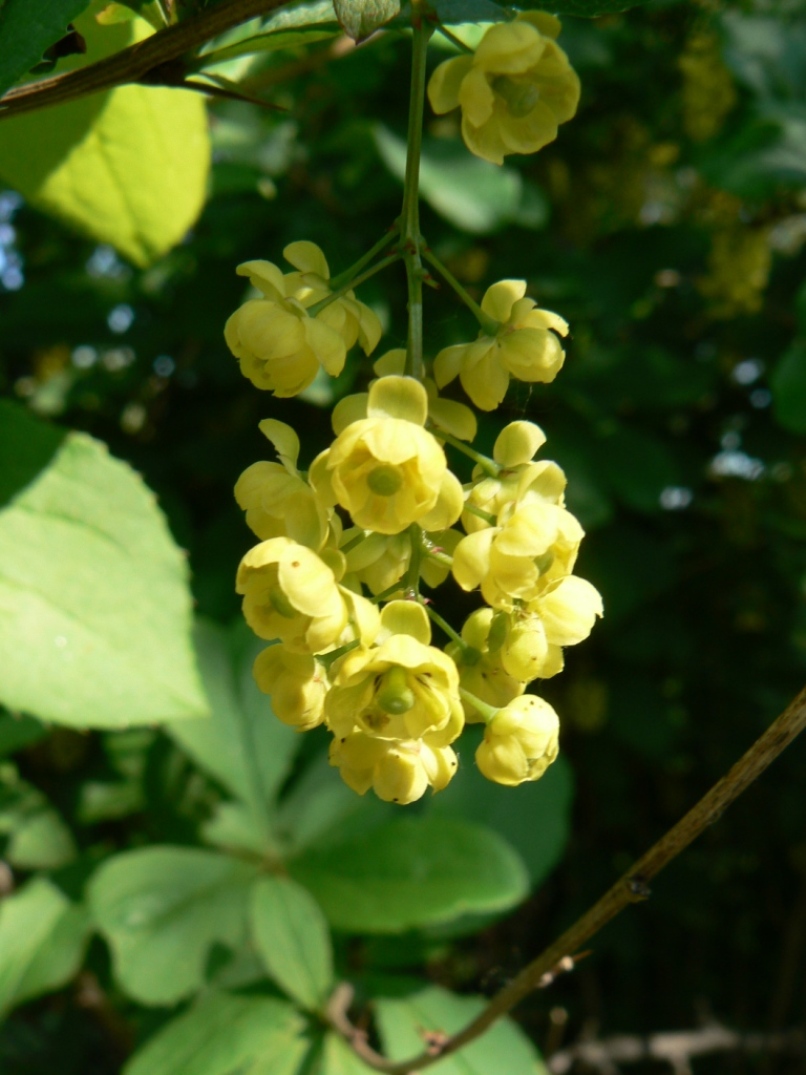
[348, 277]
[443, 624]
[489, 466]
[340, 292]
[489, 324]
[410, 216]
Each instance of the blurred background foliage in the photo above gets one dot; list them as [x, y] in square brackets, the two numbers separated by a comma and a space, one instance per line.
[667, 224]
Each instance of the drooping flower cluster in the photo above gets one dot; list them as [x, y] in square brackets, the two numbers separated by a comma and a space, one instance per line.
[334, 583]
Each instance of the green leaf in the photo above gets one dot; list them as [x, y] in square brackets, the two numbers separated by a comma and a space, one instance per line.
[161, 909]
[293, 939]
[243, 745]
[128, 167]
[41, 841]
[27, 28]
[502, 1048]
[360, 18]
[339, 1059]
[224, 1035]
[17, 732]
[293, 15]
[42, 940]
[96, 607]
[534, 818]
[788, 384]
[473, 194]
[412, 873]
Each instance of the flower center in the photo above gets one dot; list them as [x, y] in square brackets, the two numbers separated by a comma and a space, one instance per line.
[520, 97]
[395, 696]
[385, 480]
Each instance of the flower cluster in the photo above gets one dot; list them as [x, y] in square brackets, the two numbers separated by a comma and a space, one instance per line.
[334, 584]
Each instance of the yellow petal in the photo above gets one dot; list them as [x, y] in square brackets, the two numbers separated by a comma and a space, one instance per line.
[448, 507]
[447, 364]
[307, 257]
[349, 409]
[476, 97]
[398, 397]
[517, 443]
[443, 86]
[264, 276]
[326, 344]
[285, 441]
[407, 618]
[501, 297]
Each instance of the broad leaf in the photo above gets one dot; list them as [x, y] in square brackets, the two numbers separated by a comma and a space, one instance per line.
[224, 1035]
[360, 18]
[503, 1048]
[293, 940]
[473, 194]
[413, 873]
[534, 818]
[127, 167]
[161, 909]
[42, 940]
[96, 607]
[788, 383]
[339, 1059]
[244, 745]
[27, 29]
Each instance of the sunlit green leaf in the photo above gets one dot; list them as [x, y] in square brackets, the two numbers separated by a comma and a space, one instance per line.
[161, 909]
[96, 608]
[42, 940]
[292, 937]
[226, 1035]
[127, 167]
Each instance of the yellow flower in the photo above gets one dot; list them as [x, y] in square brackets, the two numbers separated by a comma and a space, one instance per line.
[524, 346]
[514, 91]
[563, 614]
[400, 689]
[520, 742]
[291, 594]
[519, 481]
[534, 543]
[480, 669]
[276, 498]
[398, 771]
[353, 320]
[297, 684]
[386, 469]
[279, 346]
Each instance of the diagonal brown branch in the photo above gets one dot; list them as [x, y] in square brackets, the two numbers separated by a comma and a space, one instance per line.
[138, 63]
[631, 888]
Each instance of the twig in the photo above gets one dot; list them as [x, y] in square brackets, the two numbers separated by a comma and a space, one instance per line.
[633, 887]
[137, 63]
[675, 1048]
